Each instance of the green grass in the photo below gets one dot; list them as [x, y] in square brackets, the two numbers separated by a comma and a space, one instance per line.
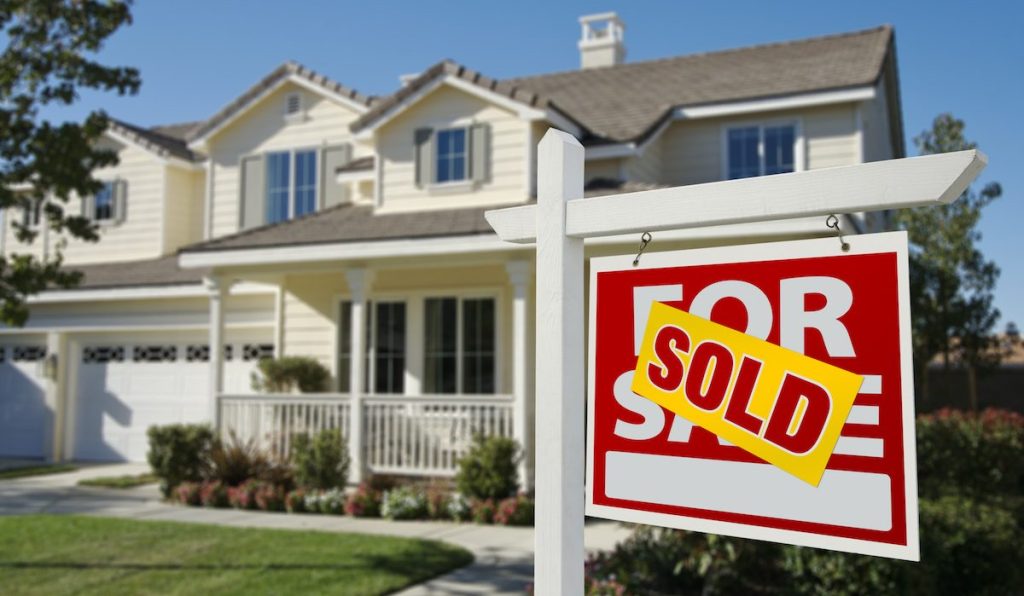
[126, 481]
[83, 555]
[41, 470]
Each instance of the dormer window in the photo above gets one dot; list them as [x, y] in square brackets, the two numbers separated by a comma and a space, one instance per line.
[293, 108]
[761, 150]
[451, 155]
[108, 205]
[103, 210]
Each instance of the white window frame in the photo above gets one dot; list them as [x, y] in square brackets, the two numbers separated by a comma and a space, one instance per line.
[291, 177]
[415, 330]
[799, 143]
[460, 348]
[466, 181]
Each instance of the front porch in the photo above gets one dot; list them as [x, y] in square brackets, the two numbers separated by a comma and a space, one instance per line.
[445, 351]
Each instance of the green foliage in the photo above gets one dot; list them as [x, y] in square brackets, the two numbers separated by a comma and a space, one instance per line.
[951, 282]
[178, 453]
[515, 511]
[322, 462]
[363, 502]
[405, 502]
[119, 482]
[234, 461]
[47, 62]
[488, 469]
[284, 375]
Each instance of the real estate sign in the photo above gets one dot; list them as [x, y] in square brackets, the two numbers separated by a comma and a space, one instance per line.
[762, 391]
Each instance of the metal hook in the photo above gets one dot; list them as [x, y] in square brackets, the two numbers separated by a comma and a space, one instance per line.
[833, 222]
[645, 239]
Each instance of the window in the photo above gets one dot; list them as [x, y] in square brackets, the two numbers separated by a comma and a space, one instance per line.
[32, 213]
[384, 366]
[459, 345]
[760, 150]
[451, 155]
[291, 184]
[103, 205]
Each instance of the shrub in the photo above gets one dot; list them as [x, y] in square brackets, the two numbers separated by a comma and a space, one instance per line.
[438, 502]
[233, 462]
[482, 510]
[214, 494]
[188, 493]
[407, 502]
[515, 511]
[295, 501]
[363, 502]
[269, 497]
[320, 462]
[488, 469]
[278, 473]
[459, 508]
[177, 453]
[284, 375]
[243, 496]
[331, 501]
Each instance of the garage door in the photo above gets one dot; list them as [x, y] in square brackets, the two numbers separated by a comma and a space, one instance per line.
[24, 418]
[124, 388]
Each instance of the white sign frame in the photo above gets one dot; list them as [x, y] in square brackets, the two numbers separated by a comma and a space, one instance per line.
[893, 242]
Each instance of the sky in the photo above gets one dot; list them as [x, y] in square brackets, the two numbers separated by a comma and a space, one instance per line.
[966, 58]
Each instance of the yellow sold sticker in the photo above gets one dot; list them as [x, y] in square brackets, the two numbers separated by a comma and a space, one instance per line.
[779, 405]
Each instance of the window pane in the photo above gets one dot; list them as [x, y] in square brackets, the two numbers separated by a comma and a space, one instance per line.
[305, 182]
[478, 345]
[778, 149]
[440, 345]
[451, 155]
[105, 202]
[389, 360]
[742, 152]
[277, 186]
[345, 347]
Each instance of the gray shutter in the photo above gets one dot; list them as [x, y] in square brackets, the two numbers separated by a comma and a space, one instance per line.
[120, 200]
[332, 158]
[89, 207]
[254, 196]
[423, 139]
[478, 152]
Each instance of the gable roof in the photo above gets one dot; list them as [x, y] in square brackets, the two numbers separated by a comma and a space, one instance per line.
[625, 102]
[165, 141]
[280, 74]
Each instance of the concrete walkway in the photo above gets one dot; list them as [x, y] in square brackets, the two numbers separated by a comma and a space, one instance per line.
[504, 555]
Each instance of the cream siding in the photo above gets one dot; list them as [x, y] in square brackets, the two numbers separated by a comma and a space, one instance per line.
[876, 127]
[183, 208]
[646, 167]
[264, 128]
[443, 108]
[138, 237]
[605, 169]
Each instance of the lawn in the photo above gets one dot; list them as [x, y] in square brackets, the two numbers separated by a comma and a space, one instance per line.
[127, 481]
[84, 555]
[40, 470]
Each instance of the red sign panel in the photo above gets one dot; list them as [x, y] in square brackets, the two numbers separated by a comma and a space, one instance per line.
[849, 309]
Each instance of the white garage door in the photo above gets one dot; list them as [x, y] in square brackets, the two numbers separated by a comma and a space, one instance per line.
[24, 417]
[124, 388]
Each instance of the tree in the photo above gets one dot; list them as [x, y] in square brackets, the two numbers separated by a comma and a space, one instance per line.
[951, 281]
[48, 58]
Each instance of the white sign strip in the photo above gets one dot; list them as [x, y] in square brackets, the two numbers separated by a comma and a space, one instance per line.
[872, 385]
[863, 415]
[863, 446]
[853, 499]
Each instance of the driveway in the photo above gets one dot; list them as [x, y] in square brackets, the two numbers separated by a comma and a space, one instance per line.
[504, 555]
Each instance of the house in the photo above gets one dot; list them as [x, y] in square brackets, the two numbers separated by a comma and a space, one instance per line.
[305, 218]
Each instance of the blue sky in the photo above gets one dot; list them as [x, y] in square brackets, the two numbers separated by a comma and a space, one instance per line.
[959, 57]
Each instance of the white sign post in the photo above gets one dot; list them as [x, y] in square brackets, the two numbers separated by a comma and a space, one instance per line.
[561, 221]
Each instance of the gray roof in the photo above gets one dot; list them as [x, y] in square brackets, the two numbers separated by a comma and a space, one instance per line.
[626, 102]
[162, 140]
[152, 272]
[358, 223]
[285, 70]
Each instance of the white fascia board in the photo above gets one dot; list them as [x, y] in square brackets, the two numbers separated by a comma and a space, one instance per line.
[142, 293]
[803, 100]
[200, 142]
[611, 151]
[354, 176]
[523, 111]
[342, 251]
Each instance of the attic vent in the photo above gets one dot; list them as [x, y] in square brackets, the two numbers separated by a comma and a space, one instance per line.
[293, 104]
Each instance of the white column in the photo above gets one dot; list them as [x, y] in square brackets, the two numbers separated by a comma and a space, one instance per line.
[560, 396]
[519, 274]
[358, 284]
[218, 290]
[54, 366]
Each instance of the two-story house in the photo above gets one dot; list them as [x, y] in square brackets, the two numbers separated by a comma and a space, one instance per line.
[307, 219]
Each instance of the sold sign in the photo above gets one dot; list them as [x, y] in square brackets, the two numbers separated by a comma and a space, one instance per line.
[779, 405]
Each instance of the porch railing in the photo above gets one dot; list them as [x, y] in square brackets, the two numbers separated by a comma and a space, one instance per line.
[403, 435]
